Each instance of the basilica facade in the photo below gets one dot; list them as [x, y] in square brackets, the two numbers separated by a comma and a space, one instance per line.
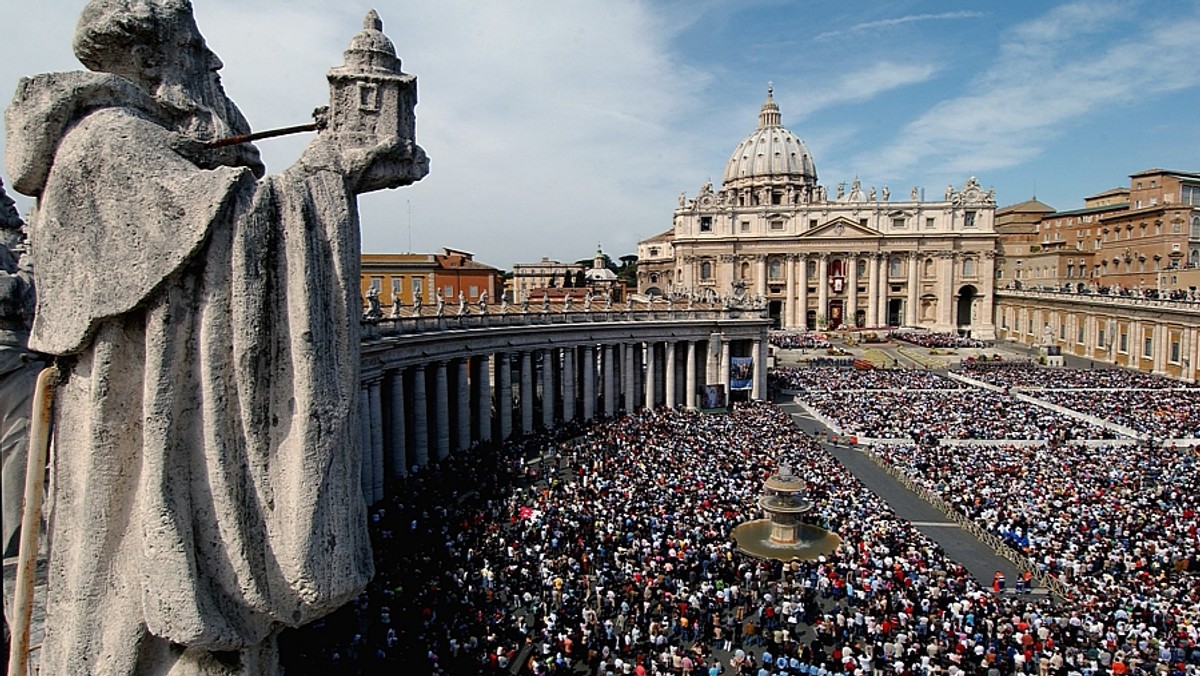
[856, 258]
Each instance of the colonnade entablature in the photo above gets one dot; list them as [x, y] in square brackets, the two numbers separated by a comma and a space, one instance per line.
[431, 386]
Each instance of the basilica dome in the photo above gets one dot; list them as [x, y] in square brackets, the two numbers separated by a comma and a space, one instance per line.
[770, 152]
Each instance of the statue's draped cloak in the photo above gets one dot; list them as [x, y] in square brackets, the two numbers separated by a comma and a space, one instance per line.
[206, 454]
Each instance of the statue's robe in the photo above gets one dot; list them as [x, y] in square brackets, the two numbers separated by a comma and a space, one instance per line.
[206, 446]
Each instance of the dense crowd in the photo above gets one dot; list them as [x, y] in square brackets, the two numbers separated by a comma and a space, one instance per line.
[937, 339]
[1159, 414]
[946, 414]
[623, 564]
[1149, 293]
[832, 378]
[1117, 524]
[1023, 376]
[796, 340]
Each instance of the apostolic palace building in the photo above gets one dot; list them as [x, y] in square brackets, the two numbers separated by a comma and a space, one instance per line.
[854, 258]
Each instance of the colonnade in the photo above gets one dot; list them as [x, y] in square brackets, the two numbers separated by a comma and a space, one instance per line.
[415, 412]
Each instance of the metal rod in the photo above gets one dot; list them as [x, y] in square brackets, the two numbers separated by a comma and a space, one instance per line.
[270, 133]
[31, 519]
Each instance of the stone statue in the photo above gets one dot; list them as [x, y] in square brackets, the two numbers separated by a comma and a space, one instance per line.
[441, 304]
[483, 299]
[462, 304]
[887, 193]
[524, 301]
[545, 302]
[608, 302]
[628, 303]
[914, 194]
[682, 198]
[207, 484]
[587, 302]
[503, 304]
[418, 301]
[397, 305]
[18, 369]
[374, 310]
[949, 191]
[841, 190]
[872, 196]
[822, 195]
[567, 303]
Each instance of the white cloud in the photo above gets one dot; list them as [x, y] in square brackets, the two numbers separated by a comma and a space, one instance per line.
[1051, 72]
[897, 21]
[863, 85]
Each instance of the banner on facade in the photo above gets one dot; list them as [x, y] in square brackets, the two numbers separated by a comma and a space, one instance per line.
[741, 373]
[712, 397]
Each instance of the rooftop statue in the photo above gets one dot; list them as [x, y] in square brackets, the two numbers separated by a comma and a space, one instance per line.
[206, 471]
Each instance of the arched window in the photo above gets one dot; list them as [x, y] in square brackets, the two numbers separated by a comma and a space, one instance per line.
[928, 267]
[653, 278]
[811, 273]
[775, 268]
[706, 270]
[861, 269]
[745, 273]
[968, 267]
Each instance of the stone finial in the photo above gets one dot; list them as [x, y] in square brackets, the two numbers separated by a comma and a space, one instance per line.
[372, 21]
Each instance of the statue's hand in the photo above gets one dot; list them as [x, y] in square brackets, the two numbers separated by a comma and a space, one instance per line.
[366, 168]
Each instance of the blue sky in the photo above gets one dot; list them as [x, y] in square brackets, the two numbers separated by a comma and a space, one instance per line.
[556, 126]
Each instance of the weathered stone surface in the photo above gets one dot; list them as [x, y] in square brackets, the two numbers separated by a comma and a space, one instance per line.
[206, 460]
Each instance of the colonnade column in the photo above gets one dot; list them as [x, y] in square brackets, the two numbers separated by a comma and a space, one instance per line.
[441, 399]
[376, 411]
[757, 386]
[420, 406]
[802, 305]
[986, 306]
[589, 382]
[823, 287]
[463, 428]
[910, 309]
[690, 381]
[504, 400]
[549, 357]
[610, 381]
[650, 379]
[526, 392]
[627, 377]
[570, 354]
[483, 398]
[669, 379]
[881, 317]
[366, 468]
[399, 445]
[852, 292]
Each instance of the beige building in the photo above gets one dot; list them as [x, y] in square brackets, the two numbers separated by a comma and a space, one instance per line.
[856, 258]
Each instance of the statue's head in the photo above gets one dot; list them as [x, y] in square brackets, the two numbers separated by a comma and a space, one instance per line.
[156, 45]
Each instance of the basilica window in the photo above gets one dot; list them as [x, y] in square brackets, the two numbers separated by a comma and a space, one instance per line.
[969, 219]
[969, 267]
[861, 269]
[899, 223]
[895, 267]
[928, 267]
[706, 272]
[777, 225]
[706, 224]
[745, 272]
[775, 269]
[929, 223]
[745, 226]
[811, 273]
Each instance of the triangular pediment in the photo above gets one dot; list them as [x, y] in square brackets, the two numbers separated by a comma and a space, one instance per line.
[841, 228]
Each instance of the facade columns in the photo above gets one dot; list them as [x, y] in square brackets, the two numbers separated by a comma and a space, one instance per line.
[526, 392]
[910, 310]
[589, 382]
[946, 297]
[872, 290]
[502, 364]
[669, 375]
[802, 309]
[610, 384]
[483, 398]
[725, 362]
[399, 445]
[758, 385]
[881, 264]
[690, 381]
[570, 354]
[420, 406]
[851, 291]
[823, 289]
[441, 399]
[463, 428]
[789, 296]
[760, 275]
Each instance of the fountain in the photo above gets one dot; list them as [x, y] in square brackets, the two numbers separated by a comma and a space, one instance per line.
[783, 536]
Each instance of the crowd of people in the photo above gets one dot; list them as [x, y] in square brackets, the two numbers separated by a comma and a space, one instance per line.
[1157, 414]
[946, 414]
[1117, 524]
[833, 378]
[614, 557]
[937, 339]
[1026, 376]
[798, 340]
[1190, 295]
